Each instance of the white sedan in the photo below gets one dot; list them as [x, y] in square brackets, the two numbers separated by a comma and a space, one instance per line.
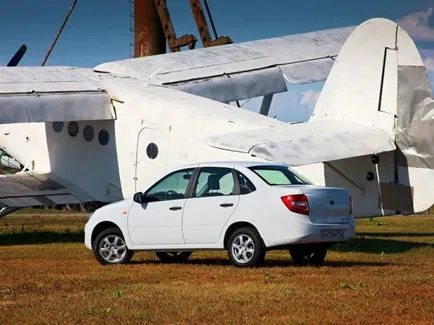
[244, 207]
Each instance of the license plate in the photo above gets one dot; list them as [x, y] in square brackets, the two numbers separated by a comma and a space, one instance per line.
[332, 234]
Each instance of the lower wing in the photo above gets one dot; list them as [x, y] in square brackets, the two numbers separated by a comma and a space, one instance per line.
[32, 189]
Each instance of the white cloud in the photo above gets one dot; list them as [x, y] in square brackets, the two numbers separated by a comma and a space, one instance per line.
[429, 63]
[309, 98]
[428, 59]
[418, 24]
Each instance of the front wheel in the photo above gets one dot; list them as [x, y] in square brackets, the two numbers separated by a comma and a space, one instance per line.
[308, 254]
[173, 257]
[245, 247]
[109, 247]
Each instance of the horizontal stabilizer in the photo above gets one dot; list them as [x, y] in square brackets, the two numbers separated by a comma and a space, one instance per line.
[307, 143]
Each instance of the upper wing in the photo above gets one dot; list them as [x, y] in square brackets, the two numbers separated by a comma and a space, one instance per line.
[48, 94]
[239, 71]
[307, 143]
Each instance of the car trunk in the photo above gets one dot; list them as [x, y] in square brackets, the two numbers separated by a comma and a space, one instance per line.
[327, 205]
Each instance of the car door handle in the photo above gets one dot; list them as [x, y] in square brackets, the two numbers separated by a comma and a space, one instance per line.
[226, 205]
[175, 208]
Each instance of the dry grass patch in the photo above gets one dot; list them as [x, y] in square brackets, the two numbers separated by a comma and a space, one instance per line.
[384, 276]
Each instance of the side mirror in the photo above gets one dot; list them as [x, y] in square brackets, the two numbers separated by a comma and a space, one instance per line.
[139, 198]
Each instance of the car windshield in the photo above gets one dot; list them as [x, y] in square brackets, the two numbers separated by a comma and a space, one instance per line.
[279, 175]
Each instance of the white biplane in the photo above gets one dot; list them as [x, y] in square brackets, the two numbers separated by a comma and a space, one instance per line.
[102, 134]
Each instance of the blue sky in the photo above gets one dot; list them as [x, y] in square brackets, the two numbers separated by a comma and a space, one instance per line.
[98, 30]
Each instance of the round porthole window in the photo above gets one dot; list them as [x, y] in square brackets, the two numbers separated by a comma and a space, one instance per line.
[103, 137]
[73, 129]
[58, 127]
[370, 176]
[88, 133]
[152, 151]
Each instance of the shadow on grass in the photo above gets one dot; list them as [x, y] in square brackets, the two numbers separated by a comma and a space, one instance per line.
[285, 262]
[378, 245]
[40, 237]
[396, 234]
[267, 263]
[364, 242]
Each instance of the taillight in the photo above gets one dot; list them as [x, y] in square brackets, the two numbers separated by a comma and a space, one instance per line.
[296, 203]
[351, 205]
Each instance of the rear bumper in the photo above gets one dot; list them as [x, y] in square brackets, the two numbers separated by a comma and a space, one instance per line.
[314, 233]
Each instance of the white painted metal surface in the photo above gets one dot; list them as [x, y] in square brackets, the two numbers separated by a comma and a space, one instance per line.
[50, 94]
[352, 90]
[382, 79]
[233, 58]
[360, 94]
[204, 218]
[153, 226]
[19, 80]
[307, 143]
[243, 70]
[154, 223]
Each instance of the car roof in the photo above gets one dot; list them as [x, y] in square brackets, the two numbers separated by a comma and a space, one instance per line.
[231, 164]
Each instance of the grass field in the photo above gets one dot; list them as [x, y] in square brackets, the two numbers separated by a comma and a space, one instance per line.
[385, 275]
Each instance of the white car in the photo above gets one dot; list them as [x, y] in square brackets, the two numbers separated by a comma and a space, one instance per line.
[244, 207]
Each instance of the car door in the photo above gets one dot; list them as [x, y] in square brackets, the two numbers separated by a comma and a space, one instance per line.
[214, 199]
[159, 220]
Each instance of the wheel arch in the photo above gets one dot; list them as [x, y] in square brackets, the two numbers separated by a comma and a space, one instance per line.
[103, 226]
[237, 225]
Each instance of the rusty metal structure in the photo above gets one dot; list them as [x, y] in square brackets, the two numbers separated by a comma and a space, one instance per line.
[202, 26]
[174, 43]
[153, 26]
[148, 33]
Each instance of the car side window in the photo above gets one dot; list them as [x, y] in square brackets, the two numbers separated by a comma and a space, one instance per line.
[214, 181]
[246, 186]
[172, 187]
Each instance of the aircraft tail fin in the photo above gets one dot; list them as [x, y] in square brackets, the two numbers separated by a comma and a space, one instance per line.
[379, 80]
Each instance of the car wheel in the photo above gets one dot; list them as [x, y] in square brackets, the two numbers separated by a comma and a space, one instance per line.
[308, 254]
[245, 247]
[109, 247]
[173, 257]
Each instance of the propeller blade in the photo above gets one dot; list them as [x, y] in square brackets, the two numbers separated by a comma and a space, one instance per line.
[18, 56]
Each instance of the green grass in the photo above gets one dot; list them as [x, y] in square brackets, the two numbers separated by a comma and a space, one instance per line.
[385, 275]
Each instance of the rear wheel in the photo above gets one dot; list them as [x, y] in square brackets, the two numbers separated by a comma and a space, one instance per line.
[109, 247]
[173, 257]
[245, 247]
[308, 254]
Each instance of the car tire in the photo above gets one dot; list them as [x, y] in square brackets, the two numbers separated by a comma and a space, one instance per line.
[245, 247]
[308, 254]
[109, 247]
[173, 257]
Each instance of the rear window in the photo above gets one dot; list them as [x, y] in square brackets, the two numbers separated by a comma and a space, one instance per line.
[279, 175]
